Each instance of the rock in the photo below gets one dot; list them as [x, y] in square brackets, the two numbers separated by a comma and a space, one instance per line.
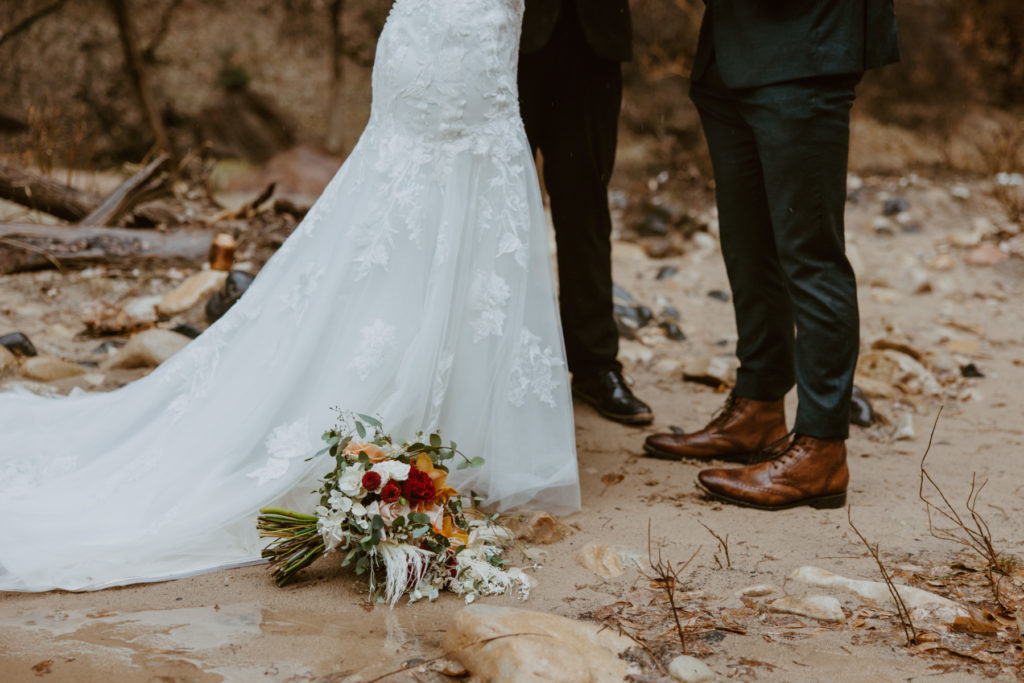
[758, 591]
[883, 226]
[539, 528]
[190, 292]
[148, 349]
[690, 670]
[719, 295]
[985, 255]
[895, 369]
[895, 206]
[971, 370]
[234, 287]
[48, 369]
[821, 607]
[18, 344]
[672, 330]
[635, 353]
[108, 348]
[665, 272]
[656, 222]
[713, 372]
[960, 192]
[8, 362]
[563, 650]
[705, 242]
[667, 368]
[142, 310]
[861, 412]
[187, 329]
[620, 295]
[662, 247]
[904, 430]
[854, 184]
[942, 262]
[606, 560]
[921, 603]
[669, 313]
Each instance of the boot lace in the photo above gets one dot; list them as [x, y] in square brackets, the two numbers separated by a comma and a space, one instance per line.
[725, 413]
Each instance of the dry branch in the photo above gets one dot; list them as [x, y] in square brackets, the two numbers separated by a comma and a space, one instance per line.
[42, 194]
[667, 574]
[131, 192]
[31, 19]
[137, 73]
[33, 247]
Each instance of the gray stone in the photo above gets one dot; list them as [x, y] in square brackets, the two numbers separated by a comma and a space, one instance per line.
[191, 292]
[821, 607]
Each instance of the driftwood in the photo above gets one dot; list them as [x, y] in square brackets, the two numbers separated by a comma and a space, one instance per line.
[26, 247]
[42, 194]
[136, 189]
[29, 20]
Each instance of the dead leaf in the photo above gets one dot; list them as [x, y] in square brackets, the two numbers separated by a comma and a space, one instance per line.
[43, 667]
[101, 613]
[611, 479]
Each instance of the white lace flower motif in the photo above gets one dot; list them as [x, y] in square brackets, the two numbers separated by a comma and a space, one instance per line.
[283, 444]
[488, 296]
[376, 339]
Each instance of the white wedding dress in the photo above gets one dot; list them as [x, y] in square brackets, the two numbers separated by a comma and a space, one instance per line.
[418, 288]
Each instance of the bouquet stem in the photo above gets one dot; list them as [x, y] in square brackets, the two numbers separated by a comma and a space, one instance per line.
[297, 542]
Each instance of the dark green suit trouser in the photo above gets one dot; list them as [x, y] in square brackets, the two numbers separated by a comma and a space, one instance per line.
[780, 153]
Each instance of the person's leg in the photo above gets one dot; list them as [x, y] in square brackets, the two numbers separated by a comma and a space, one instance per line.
[802, 131]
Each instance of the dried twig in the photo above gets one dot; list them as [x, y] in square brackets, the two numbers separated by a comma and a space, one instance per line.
[28, 21]
[973, 533]
[901, 607]
[723, 545]
[623, 631]
[667, 574]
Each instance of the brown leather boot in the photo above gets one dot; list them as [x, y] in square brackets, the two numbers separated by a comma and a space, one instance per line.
[809, 472]
[738, 432]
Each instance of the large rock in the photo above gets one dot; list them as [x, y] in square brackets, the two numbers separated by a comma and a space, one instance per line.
[148, 349]
[190, 292]
[821, 607]
[550, 647]
[48, 369]
[605, 560]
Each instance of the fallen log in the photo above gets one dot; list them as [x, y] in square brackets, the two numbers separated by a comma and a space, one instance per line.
[42, 194]
[132, 191]
[25, 247]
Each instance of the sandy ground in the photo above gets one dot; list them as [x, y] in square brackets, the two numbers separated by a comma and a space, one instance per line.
[236, 625]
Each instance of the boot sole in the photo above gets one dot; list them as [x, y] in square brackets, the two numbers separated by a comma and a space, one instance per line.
[652, 452]
[830, 502]
[634, 420]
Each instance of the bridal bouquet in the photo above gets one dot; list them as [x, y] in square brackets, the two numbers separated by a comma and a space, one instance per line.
[388, 508]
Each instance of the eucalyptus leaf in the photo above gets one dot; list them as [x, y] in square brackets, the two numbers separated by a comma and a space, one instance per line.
[372, 421]
[435, 440]
[361, 430]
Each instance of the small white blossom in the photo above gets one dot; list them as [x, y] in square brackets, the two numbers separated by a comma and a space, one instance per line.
[331, 527]
[339, 501]
[358, 510]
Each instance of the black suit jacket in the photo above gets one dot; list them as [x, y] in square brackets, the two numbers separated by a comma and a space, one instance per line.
[606, 24]
[757, 42]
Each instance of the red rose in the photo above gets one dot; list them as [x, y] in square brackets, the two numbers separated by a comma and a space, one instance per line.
[391, 492]
[371, 481]
[419, 487]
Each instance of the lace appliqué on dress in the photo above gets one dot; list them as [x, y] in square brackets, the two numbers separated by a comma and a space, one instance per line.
[377, 338]
[533, 371]
[487, 298]
[284, 444]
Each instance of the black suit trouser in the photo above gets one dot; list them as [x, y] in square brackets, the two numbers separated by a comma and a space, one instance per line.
[780, 157]
[570, 100]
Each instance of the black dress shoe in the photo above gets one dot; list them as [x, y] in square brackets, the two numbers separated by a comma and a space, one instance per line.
[608, 393]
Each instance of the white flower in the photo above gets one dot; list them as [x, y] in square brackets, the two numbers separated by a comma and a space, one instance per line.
[331, 528]
[351, 482]
[339, 501]
[358, 510]
[391, 469]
